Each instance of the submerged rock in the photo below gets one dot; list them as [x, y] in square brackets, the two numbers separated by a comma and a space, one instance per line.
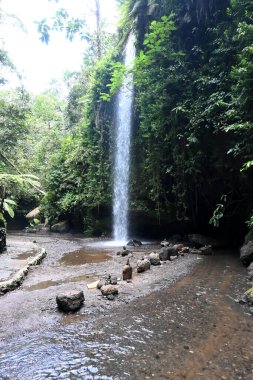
[70, 301]
[143, 265]
[246, 253]
[106, 290]
[154, 258]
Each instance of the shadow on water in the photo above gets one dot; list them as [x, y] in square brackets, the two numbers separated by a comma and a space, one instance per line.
[84, 256]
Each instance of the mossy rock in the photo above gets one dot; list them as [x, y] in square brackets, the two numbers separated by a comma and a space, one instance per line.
[249, 292]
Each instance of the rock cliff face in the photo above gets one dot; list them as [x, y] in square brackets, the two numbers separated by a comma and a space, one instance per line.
[204, 10]
[2, 239]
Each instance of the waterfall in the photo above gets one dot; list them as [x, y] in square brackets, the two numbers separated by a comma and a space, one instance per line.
[124, 108]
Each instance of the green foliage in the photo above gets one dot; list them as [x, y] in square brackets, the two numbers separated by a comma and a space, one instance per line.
[14, 109]
[8, 206]
[189, 91]
[117, 73]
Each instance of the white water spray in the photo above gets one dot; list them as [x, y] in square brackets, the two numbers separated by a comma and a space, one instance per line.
[123, 136]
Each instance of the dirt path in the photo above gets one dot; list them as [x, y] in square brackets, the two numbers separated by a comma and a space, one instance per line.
[191, 330]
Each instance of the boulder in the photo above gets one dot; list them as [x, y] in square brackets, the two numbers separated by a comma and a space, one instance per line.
[246, 253]
[134, 243]
[114, 280]
[106, 290]
[143, 265]
[101, 283]
[249, 236]
[62, 227]
[167, 252]
[172, 258]
[201, 240]
[249, 296]
[154, 258]
[165, 243]
[250, 276]
[127, 271]
[123, 253]
[70, 301]
[178, 247]
[2, 239]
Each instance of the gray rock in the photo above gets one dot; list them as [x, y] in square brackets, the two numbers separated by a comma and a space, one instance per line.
[206, 250]
[70, 301]
[101, 283]
[201, 240]
[123, 253]
[250, 276]
[242, 300]
[246, 253]
[62, 227]
[178, 247]
[106, 290]
[172, 258]
[110, 297]
[249, 236]
[31, 230]
[143, 265]
[195, 251]
[250, 267]
[167, 252]
[127, 272]
[154, 258]
[134, 243]
[114, 281]
[165, 243]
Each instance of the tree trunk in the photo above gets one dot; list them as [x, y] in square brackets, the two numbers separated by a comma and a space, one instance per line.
[98, 27]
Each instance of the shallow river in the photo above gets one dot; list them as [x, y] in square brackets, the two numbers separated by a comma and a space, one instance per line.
[193, 329]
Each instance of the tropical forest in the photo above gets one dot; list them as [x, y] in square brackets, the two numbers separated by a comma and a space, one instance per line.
[129, 179]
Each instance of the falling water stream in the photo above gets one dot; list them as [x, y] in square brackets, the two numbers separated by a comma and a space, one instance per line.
[123, 139]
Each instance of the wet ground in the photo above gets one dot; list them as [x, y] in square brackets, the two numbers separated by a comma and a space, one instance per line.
[177, 321]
